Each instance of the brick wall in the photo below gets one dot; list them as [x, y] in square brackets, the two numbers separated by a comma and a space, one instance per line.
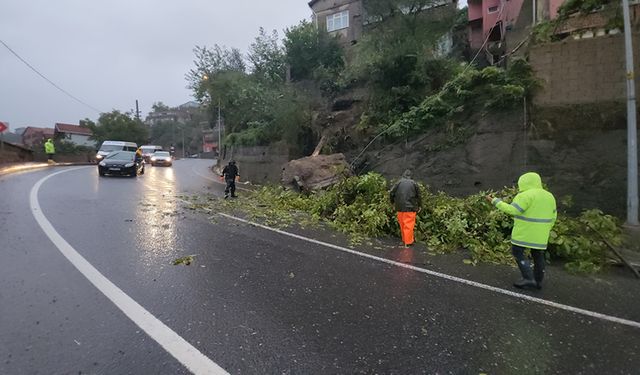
[583, 71]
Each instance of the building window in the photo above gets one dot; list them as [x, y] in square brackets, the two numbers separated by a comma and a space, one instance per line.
[338, 21]
[493, 9]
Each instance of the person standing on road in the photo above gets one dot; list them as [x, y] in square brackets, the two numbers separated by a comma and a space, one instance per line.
[405, 195]
[230, 173]
[534, 211]
[50, 150]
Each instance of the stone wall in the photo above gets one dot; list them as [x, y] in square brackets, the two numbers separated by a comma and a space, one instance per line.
[578, 150]
[583, 71]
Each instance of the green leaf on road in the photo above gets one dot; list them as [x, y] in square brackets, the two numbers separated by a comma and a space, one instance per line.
[184, 260]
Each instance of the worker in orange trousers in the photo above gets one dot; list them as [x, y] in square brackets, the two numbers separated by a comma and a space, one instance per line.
[405, 195]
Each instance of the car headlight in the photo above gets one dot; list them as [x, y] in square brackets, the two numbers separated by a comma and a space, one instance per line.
[103, 164]
[128, 165]
[153, 159]
[99, 157]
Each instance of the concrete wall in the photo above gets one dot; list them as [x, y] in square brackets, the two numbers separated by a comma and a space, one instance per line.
[582, 71]
[259, 164]
[13, 154]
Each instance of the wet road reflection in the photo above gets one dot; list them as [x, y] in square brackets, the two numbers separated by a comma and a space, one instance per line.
[402, 279]
[156, 217]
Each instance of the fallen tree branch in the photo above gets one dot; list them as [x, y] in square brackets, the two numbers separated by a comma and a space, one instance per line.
[615, 251]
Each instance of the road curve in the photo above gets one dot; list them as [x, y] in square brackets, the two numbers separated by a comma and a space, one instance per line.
[253, 301]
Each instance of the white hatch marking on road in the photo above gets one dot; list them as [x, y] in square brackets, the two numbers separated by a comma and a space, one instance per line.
[509, 293]
[173, 343]
[193, 169]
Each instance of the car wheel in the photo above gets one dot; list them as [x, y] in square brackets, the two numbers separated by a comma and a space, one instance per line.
[101, 174]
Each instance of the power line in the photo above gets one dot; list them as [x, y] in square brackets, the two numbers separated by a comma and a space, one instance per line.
[47, 79]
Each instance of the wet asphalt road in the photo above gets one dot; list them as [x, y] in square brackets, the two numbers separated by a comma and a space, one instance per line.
[254, 301]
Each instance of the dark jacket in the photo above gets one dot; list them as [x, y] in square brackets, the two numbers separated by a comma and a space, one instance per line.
[405, 195]
[230, 172]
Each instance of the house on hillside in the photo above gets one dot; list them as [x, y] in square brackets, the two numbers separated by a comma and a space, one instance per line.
[339, 17]
[180, 114]
[348, 19]
[75, 134]
[490, 21]
[498, 27]
[34, 136]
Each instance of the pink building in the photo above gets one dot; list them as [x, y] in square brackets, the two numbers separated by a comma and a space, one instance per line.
[490, 20]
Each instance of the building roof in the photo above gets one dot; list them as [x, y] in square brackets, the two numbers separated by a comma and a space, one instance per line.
[35, 130]
[13, 138]
[72, 129]
[191, 104]
[335, 4]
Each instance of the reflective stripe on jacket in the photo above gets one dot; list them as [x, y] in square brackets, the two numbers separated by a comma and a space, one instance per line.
[534, 212]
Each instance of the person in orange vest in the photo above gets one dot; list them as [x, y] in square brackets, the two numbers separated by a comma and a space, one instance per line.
[405, 195]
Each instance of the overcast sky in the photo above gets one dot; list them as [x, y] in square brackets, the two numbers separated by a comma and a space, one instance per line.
[108, 53]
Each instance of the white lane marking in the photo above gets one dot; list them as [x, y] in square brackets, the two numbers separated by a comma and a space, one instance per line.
[178, 347]
[460, 280]
[193, 169]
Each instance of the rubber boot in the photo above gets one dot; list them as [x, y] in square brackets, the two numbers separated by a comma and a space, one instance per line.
[527, 275]
[525, 283]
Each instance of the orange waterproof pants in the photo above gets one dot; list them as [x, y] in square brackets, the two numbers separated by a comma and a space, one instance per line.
[407, 221]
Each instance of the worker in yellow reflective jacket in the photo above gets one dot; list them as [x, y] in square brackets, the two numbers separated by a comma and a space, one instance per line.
[534, 212]
[50, 150]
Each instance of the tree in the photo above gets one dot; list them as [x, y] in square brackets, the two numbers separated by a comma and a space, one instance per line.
[118, 126]
[257, 108]
[399, 59]
[308, 48]
[267, 58]
[211, 62]
[159, 107]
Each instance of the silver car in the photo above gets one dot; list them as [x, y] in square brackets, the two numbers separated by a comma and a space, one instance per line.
[161, 158]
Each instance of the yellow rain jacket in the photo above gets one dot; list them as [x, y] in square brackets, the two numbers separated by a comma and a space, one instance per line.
[534, 212]
[49, 148]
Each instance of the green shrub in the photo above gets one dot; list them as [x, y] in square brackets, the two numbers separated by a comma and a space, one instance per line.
[360, 206]
[469, 91]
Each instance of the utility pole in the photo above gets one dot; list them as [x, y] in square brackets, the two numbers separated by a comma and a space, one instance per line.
[632, 136]
[219, 126]
[137, 111]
